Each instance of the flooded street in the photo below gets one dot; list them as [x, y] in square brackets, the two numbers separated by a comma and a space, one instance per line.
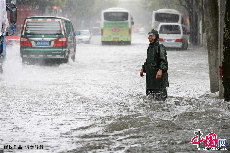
[98, 103]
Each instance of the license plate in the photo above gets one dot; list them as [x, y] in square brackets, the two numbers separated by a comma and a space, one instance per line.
[42, 43]
[115, 39]
[169, 40]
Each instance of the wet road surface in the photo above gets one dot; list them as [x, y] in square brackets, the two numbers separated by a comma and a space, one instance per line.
[98, 103]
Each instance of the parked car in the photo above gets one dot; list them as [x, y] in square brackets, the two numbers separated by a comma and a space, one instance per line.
[173, 35]
[96, 31]
[83, 36]
[136, 28]
[142, 30]
[47, 38]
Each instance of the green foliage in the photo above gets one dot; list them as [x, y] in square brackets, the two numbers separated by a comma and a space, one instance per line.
[180, 5]
[89, 7]
[42, 3]
[86, 12]
[78, 10]
[78, 5]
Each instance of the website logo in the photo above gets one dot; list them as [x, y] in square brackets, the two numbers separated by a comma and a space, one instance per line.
[210, 141]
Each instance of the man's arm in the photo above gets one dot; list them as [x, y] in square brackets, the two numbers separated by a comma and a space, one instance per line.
[143, 70]
[163, 59]
[163, 67]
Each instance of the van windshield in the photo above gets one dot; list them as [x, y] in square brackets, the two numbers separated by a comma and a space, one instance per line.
[116, 16]
[167, 18]
[43, 27]
[170, 29]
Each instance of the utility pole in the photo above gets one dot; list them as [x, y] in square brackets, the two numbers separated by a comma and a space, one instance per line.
[212, 24]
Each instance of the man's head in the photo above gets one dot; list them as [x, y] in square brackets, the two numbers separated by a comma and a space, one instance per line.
[153, 36]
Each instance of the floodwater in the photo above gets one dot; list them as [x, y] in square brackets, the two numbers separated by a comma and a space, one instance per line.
[98, 103]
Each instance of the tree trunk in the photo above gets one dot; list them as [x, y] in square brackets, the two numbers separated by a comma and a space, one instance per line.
[211, 22]
[226, 61]
[193, 18]
[222, 7]
[195, 22]
[190, 14]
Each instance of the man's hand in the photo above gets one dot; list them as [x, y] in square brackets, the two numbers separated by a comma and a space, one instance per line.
[142, 73]
[159, 74]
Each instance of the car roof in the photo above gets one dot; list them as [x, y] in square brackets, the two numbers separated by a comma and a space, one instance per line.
[47, 17]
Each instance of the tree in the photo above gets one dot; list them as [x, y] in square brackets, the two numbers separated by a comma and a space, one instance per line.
[43, 4]
[226, 60]
[211, 22]
[195, 11]
[84, 12]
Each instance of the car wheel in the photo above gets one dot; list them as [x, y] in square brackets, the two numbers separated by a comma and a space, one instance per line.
[186, 46]
[66, 60]
[24, 61]
[183, 46]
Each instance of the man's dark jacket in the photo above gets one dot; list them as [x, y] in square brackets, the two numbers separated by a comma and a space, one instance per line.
[156, 59]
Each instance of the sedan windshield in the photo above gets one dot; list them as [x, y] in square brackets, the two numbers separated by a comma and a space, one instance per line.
[85, 32]
[43, 27]
[170, 29]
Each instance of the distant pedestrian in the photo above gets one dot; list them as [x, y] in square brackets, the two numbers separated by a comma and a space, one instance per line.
[156, 67]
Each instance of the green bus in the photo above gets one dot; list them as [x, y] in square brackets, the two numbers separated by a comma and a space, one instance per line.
[116, 26]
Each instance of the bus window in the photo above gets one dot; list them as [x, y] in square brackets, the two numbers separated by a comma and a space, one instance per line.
[165, 17]
[116, 16]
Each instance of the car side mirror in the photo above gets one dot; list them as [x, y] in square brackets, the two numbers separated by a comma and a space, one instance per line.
[13, 15]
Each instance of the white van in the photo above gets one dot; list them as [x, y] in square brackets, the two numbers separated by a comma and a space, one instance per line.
[173, 35]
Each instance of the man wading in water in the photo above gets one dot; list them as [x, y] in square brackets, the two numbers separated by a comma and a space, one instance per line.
[156, 67]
